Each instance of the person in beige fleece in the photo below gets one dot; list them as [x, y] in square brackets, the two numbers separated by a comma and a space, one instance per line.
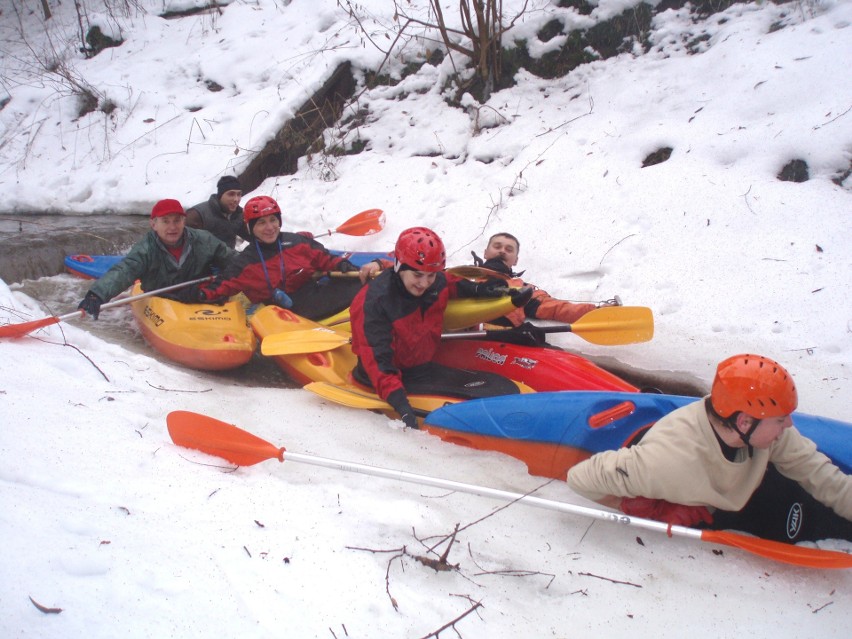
[730, 460]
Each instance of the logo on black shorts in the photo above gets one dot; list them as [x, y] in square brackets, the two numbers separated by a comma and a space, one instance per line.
[794, 520]
[478, 382]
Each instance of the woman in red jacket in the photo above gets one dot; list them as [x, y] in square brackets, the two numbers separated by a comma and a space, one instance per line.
[396, 327]
[278, 267]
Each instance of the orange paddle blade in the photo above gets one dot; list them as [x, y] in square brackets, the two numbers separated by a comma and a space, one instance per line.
[19, 330]
[217, 438]
[786, 553]
[364, 223]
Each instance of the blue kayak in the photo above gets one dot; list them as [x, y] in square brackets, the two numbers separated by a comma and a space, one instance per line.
[552, 431]
[92, 267]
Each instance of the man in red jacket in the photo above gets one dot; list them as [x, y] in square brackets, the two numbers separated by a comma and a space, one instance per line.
[278, 267]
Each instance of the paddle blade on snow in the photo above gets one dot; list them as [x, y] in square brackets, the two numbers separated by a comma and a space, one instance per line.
[214, 437]
[786, 553]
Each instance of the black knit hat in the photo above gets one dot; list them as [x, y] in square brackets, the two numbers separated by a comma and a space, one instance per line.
[227, 183]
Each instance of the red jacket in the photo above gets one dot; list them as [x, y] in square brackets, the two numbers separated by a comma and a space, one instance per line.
[299, 258]
[392, 330]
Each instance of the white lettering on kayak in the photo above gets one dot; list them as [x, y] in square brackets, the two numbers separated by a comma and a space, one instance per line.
[525, 362]
[151, 315]
[794, 520]
[489, 355]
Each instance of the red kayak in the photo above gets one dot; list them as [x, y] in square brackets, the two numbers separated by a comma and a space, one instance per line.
[543, 369]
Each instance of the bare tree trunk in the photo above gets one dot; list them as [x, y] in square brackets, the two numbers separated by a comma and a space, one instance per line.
[46, 10]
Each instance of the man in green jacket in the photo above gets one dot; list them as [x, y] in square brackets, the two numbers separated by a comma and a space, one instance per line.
[169, 254]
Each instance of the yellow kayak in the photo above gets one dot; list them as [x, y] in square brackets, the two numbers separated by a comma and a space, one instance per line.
[201, 336]
[460, 313]
[330, 367]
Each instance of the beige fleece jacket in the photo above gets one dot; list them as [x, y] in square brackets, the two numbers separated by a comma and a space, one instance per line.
[680, 460]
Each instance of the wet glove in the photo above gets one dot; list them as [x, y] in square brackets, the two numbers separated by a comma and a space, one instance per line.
[91, 304]
[191, 295]
[280, 298]
[345, 266]
[399, 401]
[521, 296]
[662, 510]
[491, 288]
[527, 334]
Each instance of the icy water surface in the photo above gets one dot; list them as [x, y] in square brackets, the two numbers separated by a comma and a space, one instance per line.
[32, 246]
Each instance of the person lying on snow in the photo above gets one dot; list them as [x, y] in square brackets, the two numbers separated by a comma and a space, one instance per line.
[169, 254]
[731, 460]
[221, 213]
[396, 327]
[501, 255]
[278, 268]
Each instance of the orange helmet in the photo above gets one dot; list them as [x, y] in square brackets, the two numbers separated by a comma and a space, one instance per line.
[420, 249]
[755, 385]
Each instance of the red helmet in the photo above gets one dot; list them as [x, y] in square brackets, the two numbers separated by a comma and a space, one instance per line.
[755, 385]
[260, 206]
[420, 249]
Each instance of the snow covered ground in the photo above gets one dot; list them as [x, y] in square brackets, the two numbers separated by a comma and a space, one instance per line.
[103, 517]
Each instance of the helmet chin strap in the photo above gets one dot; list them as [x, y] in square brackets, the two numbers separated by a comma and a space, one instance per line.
[746, 437]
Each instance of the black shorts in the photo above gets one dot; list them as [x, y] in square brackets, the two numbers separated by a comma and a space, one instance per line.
[325, 297]
[782, 510]
[437, 379]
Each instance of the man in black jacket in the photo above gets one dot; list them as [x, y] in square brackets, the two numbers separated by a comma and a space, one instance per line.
[221, 214]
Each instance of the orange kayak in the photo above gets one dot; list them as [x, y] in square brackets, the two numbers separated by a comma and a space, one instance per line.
[200, 336]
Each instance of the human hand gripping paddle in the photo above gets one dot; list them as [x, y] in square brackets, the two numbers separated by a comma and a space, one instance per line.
[481, 274]
[610, 325]
[19, 330]
[215, 437]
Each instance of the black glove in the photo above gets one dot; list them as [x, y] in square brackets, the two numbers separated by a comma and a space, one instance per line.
[91, 304]
[522, 296]
[526, 334]
[399, 400]
[191, 295]
[491, 288]
[345, 266]
[496, 264]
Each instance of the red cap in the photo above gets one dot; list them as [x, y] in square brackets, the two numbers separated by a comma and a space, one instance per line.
[167, 207]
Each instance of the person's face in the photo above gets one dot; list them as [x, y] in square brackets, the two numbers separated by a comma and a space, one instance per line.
[230, 200]
[267, 228]
[169, 228]
[769, 429]
[416, 282]
[504, 248]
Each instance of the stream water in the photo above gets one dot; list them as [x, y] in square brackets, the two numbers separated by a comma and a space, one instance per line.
[32, 253]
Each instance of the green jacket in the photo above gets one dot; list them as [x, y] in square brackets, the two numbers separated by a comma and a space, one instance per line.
[150, 262]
